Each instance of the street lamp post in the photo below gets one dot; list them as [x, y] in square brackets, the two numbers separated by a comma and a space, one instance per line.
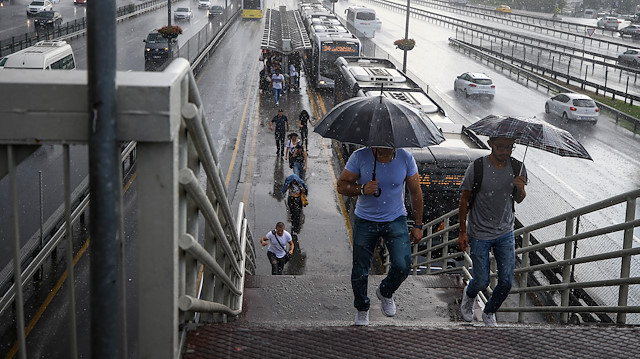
[406, 36]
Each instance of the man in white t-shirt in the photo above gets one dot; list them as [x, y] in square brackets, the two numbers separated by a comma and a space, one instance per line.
[277, 83]
[277, 240]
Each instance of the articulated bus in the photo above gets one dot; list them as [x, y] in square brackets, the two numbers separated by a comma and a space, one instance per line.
[326, 47]
[441, 167]
[252, 9]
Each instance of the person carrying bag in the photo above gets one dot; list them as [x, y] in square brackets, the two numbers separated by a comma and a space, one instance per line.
[277, 254]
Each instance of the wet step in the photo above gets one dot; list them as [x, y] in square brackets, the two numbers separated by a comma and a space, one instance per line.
[327, 300]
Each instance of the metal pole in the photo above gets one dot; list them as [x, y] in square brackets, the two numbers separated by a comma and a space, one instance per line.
[406, 36]
[73, 341]
[104, 180]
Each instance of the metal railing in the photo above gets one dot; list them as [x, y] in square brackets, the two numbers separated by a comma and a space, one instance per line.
[185, 273]
[614, 258]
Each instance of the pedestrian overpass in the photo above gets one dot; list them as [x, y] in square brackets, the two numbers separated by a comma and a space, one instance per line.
[197, 295]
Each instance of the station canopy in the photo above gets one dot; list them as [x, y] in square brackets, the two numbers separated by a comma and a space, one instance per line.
[284, 32]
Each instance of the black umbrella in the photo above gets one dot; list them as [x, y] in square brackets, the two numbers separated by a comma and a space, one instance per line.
[531, 132]
[378, 122]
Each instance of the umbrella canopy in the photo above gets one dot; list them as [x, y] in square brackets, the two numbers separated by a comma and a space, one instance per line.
[531, 132]
[379, 122]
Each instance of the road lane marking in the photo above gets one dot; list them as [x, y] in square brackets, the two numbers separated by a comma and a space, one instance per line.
[327, 150]
[563, 183]
[240, 128]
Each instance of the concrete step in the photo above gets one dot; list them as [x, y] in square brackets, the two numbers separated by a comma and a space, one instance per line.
[327, 300]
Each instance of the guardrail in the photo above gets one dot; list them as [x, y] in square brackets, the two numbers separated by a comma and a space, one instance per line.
[73, 28]
[179, 187]
[528, 77]
[558, 289]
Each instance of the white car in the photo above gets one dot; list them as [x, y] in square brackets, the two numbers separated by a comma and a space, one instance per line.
[37, 6]
[573, 106]
[182, 13]
[608, 22]
[474, 83]
[204, 3]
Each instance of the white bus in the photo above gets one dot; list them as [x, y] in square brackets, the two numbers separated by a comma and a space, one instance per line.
[362, 21]
[44, 55]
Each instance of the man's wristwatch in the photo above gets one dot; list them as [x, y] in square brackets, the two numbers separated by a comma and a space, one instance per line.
[362, 190]
[419, 226]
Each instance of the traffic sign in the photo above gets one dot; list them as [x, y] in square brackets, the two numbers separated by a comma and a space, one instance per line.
[590, 31]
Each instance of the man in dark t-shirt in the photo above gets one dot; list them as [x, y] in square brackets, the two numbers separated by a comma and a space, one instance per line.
[281, 128]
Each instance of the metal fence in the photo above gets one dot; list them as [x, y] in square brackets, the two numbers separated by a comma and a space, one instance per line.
[562, 289]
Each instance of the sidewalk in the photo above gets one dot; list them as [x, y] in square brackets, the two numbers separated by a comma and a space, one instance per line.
[323, 245]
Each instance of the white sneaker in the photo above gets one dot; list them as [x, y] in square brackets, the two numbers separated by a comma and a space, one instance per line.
[387, 305]
[362, 317]
[467, 306]
[489, 319]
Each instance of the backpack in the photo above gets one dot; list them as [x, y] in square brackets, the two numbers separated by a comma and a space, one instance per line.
[478, 169]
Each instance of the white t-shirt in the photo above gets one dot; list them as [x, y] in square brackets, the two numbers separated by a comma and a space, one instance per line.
[290, 147]
[274, 247]
[278, 80]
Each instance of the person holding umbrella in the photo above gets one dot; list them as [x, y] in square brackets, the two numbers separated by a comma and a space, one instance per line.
[490, 224]
[493, 199]
[380, 212]
[384, 126]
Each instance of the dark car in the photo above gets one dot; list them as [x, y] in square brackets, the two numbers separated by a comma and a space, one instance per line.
[48, 18]
[215, 10]
[157, 47]
[631, 30]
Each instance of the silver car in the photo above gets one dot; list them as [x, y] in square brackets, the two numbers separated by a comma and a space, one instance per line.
[573, 106]
[631, 56]
[473, 83]
[182, 13]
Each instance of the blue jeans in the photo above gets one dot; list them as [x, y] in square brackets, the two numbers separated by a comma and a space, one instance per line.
[276, 94]
[504, 252]
[298, 169]
[365, 236]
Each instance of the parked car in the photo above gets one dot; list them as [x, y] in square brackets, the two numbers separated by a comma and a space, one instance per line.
[608, 23]
[182, 13]
[503, 8]
[631, 30]
[48, 18]
[79, 2]
[215, 10]
[473, 83]
[573, 106]
[37, 6]
[204, 3]
[157, 47]
[631, 56]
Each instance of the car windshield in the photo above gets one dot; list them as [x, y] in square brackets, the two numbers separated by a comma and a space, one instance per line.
[182, 9]
[483, 81]
[216, 7]
[582, 102]
[155, 39]
[46, 15]
[37, 3]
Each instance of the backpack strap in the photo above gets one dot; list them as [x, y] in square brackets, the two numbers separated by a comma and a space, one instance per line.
[478, 169]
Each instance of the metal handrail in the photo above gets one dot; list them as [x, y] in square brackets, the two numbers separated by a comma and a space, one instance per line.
[531, 246]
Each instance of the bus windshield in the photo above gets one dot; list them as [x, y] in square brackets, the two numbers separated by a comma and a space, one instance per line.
[251, 4]
[330, 53]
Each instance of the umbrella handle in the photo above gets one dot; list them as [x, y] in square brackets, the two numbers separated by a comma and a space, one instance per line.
[377, 194]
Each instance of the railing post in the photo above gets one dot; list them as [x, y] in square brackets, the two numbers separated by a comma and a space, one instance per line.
[429, 245]
[625, 267]
[524, 263]
[445, 238]
[566, 270]
[157, 197]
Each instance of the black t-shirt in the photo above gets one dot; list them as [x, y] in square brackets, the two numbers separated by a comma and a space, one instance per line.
[280, 123]
[303, 120]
